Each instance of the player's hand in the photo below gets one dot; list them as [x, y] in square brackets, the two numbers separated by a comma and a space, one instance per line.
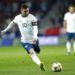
[34, 41]
[63, 30]
[2, 32]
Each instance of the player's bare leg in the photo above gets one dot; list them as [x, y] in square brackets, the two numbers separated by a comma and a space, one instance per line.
[36, 59]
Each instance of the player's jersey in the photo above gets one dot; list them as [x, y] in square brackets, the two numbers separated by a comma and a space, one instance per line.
[70, 18]
[25, 27]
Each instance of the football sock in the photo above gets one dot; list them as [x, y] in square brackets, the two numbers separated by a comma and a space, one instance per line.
[68, 46]
[35, 58]
[74, 46]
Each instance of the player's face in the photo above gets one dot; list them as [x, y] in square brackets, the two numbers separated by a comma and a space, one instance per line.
[71, 9]
[24, 11]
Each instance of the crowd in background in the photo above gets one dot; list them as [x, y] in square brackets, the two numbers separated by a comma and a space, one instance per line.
[10, 8]
[40, 8]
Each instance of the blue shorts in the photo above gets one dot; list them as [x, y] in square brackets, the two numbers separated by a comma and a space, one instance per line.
[70, 36]
[35, 46]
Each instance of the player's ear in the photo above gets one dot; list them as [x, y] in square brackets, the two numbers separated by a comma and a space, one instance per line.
[20, 9]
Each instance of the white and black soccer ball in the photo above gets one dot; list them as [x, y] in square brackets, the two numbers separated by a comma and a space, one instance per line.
[56, 67]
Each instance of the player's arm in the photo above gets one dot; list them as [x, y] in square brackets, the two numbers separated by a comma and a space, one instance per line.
[65, 21]
[35, 31]
[65, 24]
[8, 27]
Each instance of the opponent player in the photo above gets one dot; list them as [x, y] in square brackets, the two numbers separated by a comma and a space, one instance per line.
[69, 24]
[27, 24]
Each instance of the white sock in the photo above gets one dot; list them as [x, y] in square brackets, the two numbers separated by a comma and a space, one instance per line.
[68, 46]
[35, 59]
[74, 46]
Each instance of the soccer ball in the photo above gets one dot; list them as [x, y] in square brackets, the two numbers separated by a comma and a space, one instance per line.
[56, 67]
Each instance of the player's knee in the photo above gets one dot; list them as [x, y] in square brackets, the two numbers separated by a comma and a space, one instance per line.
[31, 51]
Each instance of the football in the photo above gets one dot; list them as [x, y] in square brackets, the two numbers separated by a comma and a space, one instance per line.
[56, 67]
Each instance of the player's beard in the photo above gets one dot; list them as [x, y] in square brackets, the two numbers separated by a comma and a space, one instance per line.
[25, 15]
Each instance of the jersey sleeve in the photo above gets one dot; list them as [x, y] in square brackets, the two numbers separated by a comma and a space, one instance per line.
[35, 32]
[8, 27]
[15, 20]
[34, 21]
[35, 28]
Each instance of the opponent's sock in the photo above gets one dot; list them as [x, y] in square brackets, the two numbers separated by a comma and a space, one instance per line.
[68, 47]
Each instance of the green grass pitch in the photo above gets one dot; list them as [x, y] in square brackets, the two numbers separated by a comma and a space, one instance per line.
[15, 61]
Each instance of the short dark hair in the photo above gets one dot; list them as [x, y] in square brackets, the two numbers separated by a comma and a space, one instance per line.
[24, 5]
[71, 5]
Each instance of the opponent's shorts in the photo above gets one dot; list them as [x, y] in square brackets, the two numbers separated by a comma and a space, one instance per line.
[70, 36]
[29, 46]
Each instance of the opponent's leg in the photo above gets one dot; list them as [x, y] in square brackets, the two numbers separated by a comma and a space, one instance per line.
[74, 42]
[68, 47]
[74, 46]
[68, 43]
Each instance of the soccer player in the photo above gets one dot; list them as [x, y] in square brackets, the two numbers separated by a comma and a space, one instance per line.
[69, 24]
[27, 24]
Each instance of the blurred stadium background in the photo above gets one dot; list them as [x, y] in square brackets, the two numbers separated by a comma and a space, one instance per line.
[50, 20]
[50, 13]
